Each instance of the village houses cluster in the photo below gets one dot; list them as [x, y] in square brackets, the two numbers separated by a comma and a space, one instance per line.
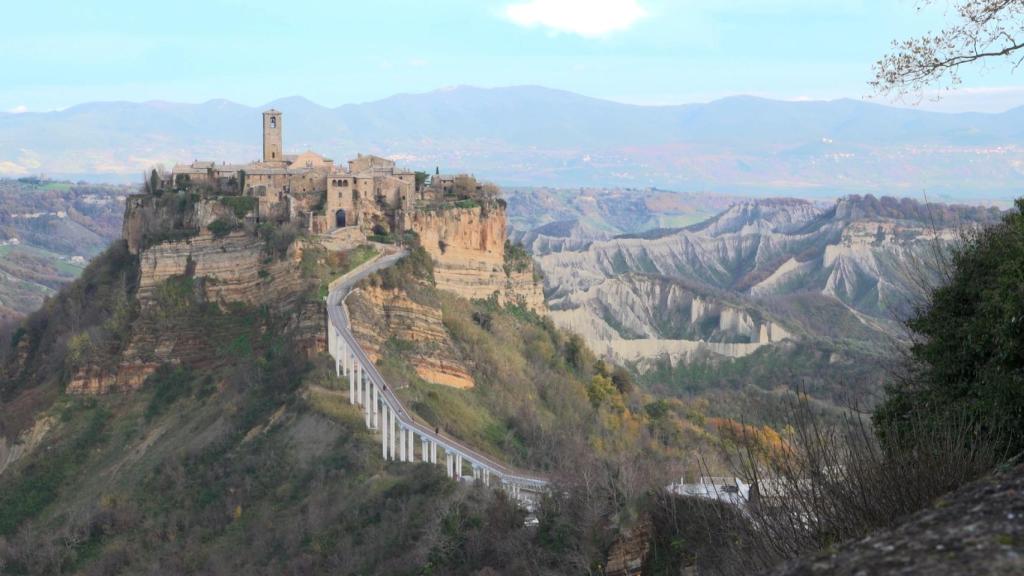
[370, 192]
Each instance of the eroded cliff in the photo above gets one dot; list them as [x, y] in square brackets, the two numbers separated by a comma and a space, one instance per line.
[390, 317]
[468, 246]
[761, 272]
[199, 289]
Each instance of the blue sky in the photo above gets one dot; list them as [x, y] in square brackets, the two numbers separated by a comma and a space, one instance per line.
[58, 53]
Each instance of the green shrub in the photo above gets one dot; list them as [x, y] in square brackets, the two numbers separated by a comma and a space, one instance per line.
[969, 352]
[277, 239]
[176, 294]
[169, 383]
[221, 227]
[381, 238]
[517, 259]
[241, 205]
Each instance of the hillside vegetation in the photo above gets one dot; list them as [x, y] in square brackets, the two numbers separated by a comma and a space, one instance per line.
[249, 458]
[967, 360]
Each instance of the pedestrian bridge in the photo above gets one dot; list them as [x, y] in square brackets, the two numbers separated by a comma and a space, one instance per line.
[401, 434]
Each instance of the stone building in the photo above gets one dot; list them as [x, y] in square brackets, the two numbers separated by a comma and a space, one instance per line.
[370, 191]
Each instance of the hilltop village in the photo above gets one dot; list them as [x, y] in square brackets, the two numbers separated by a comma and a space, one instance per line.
[371, 193]
[256, 233]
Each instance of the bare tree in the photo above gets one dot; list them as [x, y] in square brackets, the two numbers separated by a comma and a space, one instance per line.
[983, 30]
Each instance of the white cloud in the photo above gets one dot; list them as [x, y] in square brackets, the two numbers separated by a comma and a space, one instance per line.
[587, 18]
[20, 109]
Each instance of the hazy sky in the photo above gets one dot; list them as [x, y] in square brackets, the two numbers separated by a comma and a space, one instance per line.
[54, 54]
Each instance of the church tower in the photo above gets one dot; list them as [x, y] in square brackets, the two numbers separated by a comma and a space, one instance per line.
[273, 150]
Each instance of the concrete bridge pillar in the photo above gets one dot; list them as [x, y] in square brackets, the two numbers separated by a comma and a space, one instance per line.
[449, 463]
[367, 405]
[384, 433]
[352, 398]
[342, 355]
[391, 434]
[376, 407]
[360, 384]
[339, 353]
[345, 361]
[401, 444]
[332, 346]
[330, 333]
[458, 466]
[412, 445]
[424, 449]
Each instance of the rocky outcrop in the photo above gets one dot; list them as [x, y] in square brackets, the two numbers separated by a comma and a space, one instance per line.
[235, 268]
[28, 440]
[380, 315]
[626, 556]
[978, 529]
[129, 375]
[468, 249]
[150, 219]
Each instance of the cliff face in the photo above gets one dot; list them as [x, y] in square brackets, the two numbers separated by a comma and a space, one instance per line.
[150, 219]
[222, 272]
[468, 249]
[235, 267]
[636, 318]
[626, 556]
[380, 315]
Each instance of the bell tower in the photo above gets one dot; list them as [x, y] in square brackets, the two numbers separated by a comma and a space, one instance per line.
[273, 150]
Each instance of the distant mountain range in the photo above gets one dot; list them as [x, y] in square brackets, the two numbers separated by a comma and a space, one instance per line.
[533, 136]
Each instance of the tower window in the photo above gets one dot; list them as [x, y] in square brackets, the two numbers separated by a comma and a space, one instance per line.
[273, 121]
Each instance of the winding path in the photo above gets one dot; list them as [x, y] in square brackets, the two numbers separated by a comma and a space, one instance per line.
[385, 413]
